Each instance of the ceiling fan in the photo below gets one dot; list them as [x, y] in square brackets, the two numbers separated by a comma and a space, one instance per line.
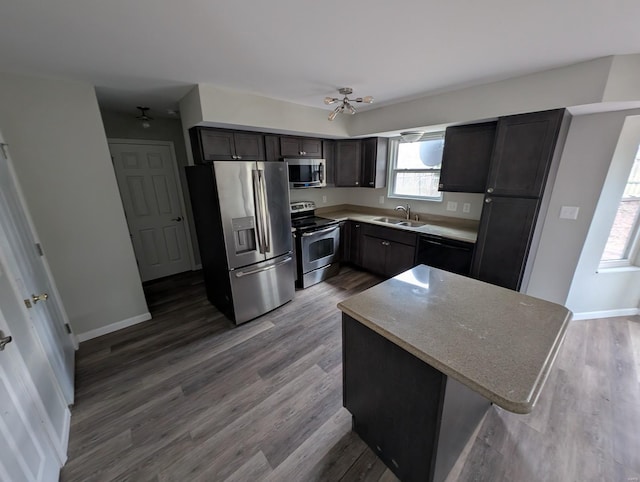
[345, 105]
[144, 117]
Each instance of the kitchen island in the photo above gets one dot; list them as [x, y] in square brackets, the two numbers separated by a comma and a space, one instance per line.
[425, 354]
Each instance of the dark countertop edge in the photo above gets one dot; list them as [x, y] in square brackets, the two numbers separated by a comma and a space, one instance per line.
[521, 407]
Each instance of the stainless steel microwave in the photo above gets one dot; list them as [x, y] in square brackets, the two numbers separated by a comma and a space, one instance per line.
[305, 173]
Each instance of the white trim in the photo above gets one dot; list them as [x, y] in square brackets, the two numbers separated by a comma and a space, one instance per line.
[176, 172]
[590, 315]
[197, 267]
[118, 325]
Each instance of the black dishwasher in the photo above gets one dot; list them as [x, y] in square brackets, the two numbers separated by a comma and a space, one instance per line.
[444, 253]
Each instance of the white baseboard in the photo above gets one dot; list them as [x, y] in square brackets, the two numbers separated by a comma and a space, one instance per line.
[590, 315]
[118, 325]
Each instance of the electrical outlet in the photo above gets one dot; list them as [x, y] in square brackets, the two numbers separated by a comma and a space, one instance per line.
[452, 206]
[466, 207]
[381, 200]
[324, 199]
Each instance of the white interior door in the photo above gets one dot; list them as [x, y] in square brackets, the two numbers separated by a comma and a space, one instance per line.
[26, 452]
[152, 202]
[31, 277]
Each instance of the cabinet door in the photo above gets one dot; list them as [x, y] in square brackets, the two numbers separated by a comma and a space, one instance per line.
[374, 252]
[328, 151]
[272, 148]
[311, 147]
[355, 243]
[348, 163]
[523, 151]
[504, 238]
[217, 145]
[400, 257]
[249, 146]
[374, 162]
[290, 146]
[466, 157]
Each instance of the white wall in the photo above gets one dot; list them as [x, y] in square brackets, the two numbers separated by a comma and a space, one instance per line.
[594, 292]
[58, 145]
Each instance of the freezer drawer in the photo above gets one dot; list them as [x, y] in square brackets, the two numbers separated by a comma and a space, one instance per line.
[262, 287]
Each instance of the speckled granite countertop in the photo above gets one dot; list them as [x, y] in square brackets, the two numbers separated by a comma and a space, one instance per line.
[453, 228]
[497, 342]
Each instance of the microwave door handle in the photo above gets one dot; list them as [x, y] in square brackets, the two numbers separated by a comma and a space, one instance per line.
[265, 213]
[257, 201]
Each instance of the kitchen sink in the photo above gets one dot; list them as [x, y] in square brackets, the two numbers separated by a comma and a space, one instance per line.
[411, 224]
[400, 222]
[389, 220]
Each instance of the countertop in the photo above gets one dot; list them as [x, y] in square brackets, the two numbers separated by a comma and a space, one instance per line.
[498, 342]
[452, 228]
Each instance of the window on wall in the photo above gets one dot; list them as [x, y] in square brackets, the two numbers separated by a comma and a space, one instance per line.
[622, 245]
[415, 167]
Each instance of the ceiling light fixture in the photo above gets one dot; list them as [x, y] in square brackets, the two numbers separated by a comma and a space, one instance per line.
[144, 117]
[345, 103]
[411, 136]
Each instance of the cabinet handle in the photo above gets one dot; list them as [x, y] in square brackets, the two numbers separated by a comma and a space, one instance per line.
[440, 186]
[234, 157]
[238, 157]
[371, 183]
[385, 243]
[490, 190]
[357, 225]
[488, 200]
[357, 183]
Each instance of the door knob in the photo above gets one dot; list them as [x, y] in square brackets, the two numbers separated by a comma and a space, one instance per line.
[42, 297]
[178, 219]
[4, 340]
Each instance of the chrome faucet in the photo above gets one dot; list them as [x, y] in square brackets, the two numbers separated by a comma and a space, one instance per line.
[406, 209]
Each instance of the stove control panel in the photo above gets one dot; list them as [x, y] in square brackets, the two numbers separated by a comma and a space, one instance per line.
[302, 206]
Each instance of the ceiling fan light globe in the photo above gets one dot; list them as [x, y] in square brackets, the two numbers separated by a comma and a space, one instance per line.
[330, 100]
[368, 99]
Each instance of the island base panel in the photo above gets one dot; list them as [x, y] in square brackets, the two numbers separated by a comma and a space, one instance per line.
[411, 415]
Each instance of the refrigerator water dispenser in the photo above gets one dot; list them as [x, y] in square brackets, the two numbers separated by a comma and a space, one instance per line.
[244, 234]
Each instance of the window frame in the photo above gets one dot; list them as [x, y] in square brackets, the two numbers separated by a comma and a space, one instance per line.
[630, 258]
[394, 144]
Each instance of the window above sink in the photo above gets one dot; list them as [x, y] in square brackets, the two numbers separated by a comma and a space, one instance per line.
[414, 167]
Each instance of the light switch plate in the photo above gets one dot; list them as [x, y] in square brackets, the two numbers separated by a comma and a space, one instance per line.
[324, 199]
[569, 212]
[381, 200]
[452, 206]
[466, 207]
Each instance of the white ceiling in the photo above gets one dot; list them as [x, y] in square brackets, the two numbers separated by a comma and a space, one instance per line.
[152, 51]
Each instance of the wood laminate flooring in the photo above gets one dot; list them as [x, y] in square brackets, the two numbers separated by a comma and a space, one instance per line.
[187, 396]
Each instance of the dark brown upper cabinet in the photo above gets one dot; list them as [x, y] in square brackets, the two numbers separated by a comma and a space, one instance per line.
[374, 162]
[348, 157]
[300, 147]
[361, 162]
[522, 153]
[466, 157]
[210, 144]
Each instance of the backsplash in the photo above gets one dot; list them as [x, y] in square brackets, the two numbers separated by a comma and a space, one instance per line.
[324, 197]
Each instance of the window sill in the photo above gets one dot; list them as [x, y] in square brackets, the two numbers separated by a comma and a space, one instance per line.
[617, 269]
[414, 198]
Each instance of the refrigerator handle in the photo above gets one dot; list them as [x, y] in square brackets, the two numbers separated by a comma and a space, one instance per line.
[265, 212]
[257, 200]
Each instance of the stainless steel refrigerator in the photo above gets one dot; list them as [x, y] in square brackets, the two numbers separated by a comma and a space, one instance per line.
[241, 212]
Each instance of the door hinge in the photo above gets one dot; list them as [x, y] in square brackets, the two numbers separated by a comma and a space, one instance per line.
[3, 148]
[39, 249]
[68, 327]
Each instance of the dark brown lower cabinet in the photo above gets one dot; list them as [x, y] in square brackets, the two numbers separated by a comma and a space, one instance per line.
[387, 251]
[504, 239]
[415, 418]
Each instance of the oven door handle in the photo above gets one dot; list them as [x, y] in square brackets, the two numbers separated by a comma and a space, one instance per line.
[240, 274]
[320, 231]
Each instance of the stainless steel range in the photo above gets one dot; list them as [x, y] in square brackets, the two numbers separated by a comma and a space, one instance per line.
[317, 244]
